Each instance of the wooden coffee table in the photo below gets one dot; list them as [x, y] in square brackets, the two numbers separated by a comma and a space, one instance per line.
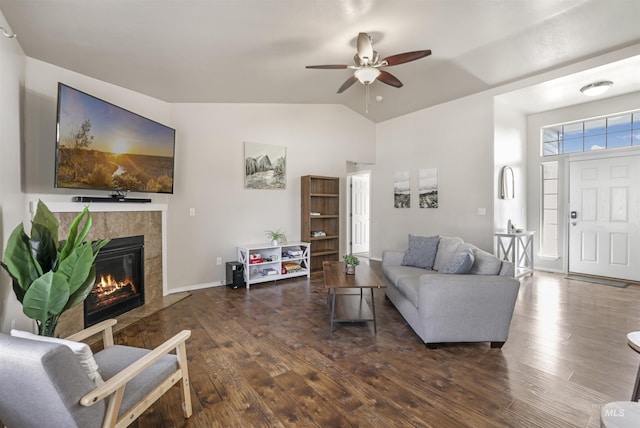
[345, 305]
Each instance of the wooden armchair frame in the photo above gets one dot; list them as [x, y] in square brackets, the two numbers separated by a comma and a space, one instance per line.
[113, 388]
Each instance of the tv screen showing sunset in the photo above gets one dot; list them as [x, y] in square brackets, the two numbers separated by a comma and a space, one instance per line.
[103, 146]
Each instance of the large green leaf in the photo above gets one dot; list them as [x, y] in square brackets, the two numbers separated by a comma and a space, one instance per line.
[44, 246]
[46, 218]
[83, 291]
[74, 240]
[76, 267]
[47, 296]
[18, 260]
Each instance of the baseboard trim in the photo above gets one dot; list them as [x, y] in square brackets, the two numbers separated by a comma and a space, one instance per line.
[196, 287]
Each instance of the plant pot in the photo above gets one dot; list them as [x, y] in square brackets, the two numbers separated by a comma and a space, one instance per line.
[350, 270]
[274, 242]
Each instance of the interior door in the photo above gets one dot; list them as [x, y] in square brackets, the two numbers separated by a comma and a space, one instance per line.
[360, 213]
[604, 224]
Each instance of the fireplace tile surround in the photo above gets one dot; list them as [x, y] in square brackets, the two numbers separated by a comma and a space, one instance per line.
[117, 220]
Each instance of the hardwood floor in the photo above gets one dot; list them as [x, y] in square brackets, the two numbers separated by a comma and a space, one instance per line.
[265, 358]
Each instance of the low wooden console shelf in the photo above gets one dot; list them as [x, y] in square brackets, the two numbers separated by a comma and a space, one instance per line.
[267, 262]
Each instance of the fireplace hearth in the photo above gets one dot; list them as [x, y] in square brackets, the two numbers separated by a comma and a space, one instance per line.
[119, 285]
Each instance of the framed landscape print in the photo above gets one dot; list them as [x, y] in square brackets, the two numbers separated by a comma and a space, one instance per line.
[265, 166]
[428, 188]
[402, 189]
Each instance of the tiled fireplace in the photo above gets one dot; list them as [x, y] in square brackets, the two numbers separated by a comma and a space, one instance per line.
[119, 221]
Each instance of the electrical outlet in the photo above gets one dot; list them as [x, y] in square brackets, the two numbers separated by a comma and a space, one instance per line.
[482, 211]
[219, 261]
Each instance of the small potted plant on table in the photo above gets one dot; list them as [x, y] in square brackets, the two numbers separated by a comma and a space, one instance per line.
[350, 262]
[276, 237]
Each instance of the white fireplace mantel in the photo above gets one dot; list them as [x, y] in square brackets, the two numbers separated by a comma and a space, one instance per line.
[73, 207]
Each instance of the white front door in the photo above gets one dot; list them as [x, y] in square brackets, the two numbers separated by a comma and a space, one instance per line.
[604, 223]
[360, 213]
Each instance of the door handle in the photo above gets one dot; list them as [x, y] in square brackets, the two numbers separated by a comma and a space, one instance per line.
[573, 223]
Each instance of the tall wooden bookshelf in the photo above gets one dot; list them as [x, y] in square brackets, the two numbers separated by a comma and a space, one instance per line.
[320, 223]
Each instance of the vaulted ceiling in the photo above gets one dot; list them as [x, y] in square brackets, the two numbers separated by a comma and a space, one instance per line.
[255, 51]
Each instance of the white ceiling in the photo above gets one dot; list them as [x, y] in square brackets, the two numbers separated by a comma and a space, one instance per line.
[255, 51]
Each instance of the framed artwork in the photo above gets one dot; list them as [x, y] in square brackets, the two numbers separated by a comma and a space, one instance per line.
[265, 166]
[402, 189]
[428, 188]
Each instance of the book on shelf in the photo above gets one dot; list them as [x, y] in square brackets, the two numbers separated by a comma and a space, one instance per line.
[269, 271]
[314, 213]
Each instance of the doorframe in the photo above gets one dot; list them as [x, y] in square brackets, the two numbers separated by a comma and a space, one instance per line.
[349, 225]
[576, 157]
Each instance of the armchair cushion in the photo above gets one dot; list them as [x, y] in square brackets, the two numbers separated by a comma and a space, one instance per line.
[82, 351]
[114, 359]
[421, 252]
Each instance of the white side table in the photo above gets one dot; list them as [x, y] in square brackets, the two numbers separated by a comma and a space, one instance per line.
[516, 248]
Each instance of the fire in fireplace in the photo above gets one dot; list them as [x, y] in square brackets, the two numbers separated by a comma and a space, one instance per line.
[119, 283]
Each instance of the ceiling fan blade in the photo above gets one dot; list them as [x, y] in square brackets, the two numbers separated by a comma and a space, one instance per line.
[329, 67]
[347, 83]
[406, 57]
[389, 79]
[365, 49]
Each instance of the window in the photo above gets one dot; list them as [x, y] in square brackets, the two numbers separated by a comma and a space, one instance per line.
[549, 226]
[611, 132]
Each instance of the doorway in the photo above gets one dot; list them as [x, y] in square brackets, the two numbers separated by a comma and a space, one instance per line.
[358, 213]
[604, 223]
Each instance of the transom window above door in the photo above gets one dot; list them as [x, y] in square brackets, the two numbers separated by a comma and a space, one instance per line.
[609, 132]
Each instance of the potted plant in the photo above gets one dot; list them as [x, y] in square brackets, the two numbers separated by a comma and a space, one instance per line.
[276, 236]
[51, 275]
[350, 262]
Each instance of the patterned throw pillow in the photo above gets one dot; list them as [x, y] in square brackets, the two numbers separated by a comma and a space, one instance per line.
[461, 261]
[421, 252]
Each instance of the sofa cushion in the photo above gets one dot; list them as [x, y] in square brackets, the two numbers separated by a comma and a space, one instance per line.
[461, 261]
[80, 350]
[396, 273]
[446, 247]
[485, 263]
[421, 252]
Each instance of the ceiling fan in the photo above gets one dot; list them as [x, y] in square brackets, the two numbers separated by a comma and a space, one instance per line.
[368, 64]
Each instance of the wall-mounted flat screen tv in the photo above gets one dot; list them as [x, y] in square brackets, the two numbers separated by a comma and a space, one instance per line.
[102, 146]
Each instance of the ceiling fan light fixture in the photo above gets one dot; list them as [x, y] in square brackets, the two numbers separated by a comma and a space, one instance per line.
[367, 75]
[596, 88]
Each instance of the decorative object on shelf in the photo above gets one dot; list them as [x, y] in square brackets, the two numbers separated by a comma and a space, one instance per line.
[506, 183]
[51, 275]
[276, 237]
[428, 188]
[265, 166]
[401, 190]
[350, 262]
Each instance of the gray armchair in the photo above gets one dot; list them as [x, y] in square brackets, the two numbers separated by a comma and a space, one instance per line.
[43, 384]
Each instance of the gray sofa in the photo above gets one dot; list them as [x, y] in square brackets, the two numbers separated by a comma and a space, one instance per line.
[475, 306]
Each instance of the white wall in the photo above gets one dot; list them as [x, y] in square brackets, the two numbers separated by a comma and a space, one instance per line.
[319, 140]
[11, 198]
[457, 138]
[604, 107]
[510, 144]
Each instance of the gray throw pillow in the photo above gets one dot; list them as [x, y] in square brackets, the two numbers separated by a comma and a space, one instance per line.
[461, 261]
[421, 252]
